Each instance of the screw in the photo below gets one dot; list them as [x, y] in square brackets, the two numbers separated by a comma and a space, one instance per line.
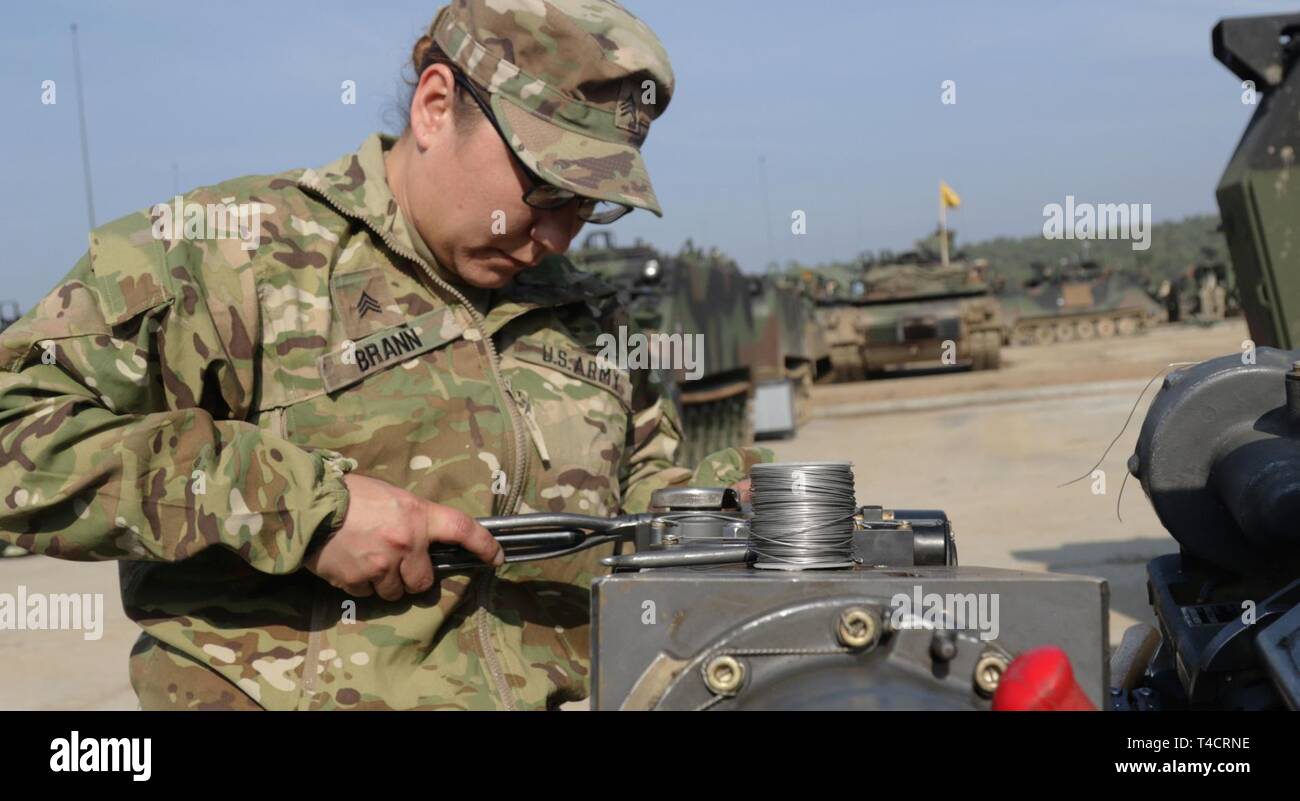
[988, 672]
[724, 675]
[858, 628]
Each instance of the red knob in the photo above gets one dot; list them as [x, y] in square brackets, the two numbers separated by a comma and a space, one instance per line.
[1040, 680]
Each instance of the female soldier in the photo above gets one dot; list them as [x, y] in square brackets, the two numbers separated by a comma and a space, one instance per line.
[383, 354]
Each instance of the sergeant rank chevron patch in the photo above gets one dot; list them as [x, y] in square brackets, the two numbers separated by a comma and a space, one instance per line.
[367, 304]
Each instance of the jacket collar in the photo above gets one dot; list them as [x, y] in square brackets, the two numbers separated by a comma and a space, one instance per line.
[356, 184]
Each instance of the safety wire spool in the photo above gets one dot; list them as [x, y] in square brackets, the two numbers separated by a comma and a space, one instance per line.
[803, 515]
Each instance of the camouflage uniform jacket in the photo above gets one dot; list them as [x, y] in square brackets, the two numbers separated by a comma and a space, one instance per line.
[173, 394]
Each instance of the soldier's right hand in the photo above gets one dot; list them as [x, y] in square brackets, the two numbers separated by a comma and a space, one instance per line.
[383, 545]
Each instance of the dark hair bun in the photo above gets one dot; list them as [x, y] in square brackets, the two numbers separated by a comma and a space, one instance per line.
[420, 52]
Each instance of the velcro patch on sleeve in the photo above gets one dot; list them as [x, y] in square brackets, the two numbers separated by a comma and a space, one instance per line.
[364, 301]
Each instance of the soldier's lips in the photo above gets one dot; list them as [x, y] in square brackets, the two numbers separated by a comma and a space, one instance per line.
[502, 259]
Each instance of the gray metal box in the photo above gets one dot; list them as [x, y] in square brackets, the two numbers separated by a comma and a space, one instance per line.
[654, 631]
[774, 408]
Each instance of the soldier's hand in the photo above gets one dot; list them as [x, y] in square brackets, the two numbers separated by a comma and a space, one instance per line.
[383, 545]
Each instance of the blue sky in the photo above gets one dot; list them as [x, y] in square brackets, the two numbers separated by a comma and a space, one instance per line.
[1110, 101]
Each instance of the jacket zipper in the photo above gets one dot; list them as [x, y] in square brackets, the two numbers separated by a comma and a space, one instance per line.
[530, 420]
[516, 482]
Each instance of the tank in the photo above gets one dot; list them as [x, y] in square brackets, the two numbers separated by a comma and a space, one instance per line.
[691, 293]
[791, 354]
[911, 311]
[1218, 455]
[1083, 300]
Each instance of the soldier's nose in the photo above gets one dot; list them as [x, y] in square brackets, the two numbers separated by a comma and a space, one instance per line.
[554, 230]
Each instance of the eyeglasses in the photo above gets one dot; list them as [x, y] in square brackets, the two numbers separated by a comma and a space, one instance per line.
[541, 195]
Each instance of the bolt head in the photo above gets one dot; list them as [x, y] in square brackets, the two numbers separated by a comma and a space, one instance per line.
[857, 628]
[988, 672]
[724, 675]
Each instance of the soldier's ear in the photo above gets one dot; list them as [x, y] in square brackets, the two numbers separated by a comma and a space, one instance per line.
[432, 104]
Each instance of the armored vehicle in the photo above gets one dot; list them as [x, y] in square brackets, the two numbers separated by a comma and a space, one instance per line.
[1209, 290]
[791, 354]
[1259, 208]
[1215, 295]
[698, 304]
[912, 311]
[1219, 452]
[1076, 301]
[1204, 294]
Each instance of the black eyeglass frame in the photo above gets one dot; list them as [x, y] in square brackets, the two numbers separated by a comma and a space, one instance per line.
[542, 195]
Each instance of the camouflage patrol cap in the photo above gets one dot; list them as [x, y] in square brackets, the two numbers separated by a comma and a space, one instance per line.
[574, 84]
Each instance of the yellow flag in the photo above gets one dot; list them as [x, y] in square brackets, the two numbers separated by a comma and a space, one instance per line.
[948, 197]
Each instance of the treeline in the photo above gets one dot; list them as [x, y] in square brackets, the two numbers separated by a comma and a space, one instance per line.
[1175, 246]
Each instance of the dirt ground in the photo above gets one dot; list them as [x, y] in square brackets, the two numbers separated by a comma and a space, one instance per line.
[1034, 366]
[990, 448]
